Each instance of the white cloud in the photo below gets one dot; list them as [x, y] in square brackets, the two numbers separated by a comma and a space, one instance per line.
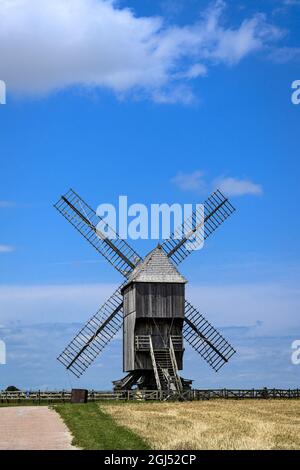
[230, 186]
[292, 2]
[196, 70]
[275, 304]
[232, 45]
[238, 187]
[283, 55]
[51, 303]
[190, 181]
[47, 45]
[255, 317]
[32, 351]
[6, 204]
[6, 249]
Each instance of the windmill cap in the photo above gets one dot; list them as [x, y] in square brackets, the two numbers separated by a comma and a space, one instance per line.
[156, 267]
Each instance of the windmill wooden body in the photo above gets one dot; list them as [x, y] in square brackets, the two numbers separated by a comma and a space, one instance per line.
[150, 304]
[153, 320]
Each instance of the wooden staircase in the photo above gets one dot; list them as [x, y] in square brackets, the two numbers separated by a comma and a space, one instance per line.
[164, 362]
[165, 369]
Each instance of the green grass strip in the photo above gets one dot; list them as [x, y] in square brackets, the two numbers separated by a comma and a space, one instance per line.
[93, 429]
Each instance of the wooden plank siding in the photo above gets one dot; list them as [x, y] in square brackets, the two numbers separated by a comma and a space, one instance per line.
[160, 300]
[128, 342]
[155, 309]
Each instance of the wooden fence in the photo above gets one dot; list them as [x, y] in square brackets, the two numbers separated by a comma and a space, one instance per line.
[37, 397]
[64, 396]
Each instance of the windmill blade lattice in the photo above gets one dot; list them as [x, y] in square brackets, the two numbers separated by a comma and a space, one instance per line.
[85, 220]
[94, 336]
[198, 227]
[205, 339]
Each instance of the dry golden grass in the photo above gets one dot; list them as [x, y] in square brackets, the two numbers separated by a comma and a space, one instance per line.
[216, 424]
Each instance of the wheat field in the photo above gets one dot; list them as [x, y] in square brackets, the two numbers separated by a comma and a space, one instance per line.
[215, 424]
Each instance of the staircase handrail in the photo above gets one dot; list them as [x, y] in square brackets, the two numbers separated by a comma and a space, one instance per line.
[175, 367]
[154, 364]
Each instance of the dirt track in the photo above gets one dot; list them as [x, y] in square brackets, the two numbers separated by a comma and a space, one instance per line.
[33, 428]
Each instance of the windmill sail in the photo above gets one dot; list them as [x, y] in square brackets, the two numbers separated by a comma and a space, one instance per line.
[87, 222]
[205, 339]
[198, 227]
[106, 323]
[94, 336]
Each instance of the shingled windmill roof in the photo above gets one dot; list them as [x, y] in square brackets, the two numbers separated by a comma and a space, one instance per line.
[156, 267]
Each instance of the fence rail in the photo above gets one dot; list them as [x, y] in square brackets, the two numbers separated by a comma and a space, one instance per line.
[64, 396]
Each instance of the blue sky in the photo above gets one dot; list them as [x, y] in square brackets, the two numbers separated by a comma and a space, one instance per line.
[161, 103]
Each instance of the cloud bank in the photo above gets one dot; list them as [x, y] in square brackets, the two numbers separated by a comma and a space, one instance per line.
[230, 186]
[6, 248]
[260, 320]
[6, 204]
[32, 350]
[238, 187]
[48, 45]
[275, 304]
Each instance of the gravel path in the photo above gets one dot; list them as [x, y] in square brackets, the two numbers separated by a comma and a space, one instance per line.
[33, 428]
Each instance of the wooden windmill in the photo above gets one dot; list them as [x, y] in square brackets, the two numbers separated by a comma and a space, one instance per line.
[150, 304]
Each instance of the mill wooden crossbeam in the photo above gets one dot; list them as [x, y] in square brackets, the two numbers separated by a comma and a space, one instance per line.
[150, 304]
